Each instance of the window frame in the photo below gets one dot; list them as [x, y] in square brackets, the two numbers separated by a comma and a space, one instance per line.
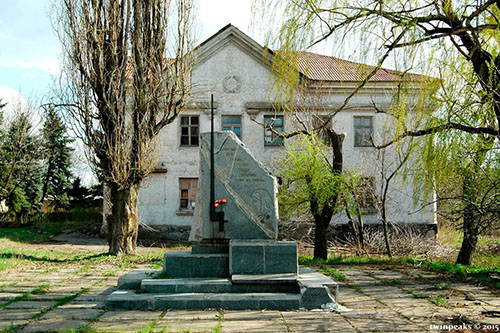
[189, 126]
[354, 127]
[232, 126]
[188, 206]
[273, 136]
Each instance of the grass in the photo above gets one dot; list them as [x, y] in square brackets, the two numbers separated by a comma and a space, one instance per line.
[39, 290]
[13, 258]
[219, 322]
[444, 286]
[418, 295]
[333, 272]
[477, 272]
[440, 302]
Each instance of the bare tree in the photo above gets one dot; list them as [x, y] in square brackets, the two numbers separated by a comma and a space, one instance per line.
[127, 71]
[433, 34]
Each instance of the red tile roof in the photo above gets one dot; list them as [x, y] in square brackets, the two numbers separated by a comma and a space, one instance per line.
[319, 67]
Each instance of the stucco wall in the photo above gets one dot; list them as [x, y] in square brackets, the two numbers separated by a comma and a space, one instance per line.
[159, 195]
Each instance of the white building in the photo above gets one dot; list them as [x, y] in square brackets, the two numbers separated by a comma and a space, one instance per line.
[237, 71]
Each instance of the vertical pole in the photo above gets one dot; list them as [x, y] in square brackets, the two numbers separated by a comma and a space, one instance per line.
[212, 157]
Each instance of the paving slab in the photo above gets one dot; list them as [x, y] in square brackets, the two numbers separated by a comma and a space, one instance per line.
[186, 326]
[252, 315]
[120, 325]
[8, 325]
[131, 315]
[253, 326]
[320, 325]
[72, 314]
[7, 296]
[192, 315]
[17, 314]
[54, 325]
[30, 305]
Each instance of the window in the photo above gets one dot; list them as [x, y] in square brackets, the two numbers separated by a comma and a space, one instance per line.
[322, 123]
[189, 130]
[187, 187]
[232, 123]
[368, 199]
[271, 139]
[363, 128]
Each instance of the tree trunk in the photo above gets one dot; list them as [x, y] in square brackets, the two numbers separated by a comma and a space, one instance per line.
[386, 230]
[320, 239]
[354, 230]
[470, 238]
[361, 228]
[122, 220]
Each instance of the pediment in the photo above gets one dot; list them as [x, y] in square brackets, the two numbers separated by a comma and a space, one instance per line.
[231, 34]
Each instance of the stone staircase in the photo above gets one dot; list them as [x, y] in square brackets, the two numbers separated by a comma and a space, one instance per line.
[252, 275]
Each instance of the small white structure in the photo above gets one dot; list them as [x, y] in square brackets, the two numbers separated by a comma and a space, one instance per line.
[237, 70]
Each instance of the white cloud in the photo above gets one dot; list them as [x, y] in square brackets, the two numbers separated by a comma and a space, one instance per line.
[16, 103]
[51, 66]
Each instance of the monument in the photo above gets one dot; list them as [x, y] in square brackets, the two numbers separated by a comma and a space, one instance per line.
[236, 261]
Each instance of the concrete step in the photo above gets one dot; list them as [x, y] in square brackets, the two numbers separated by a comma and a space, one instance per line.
[184, 264]
[286, 278]
[131, 300]
[215, 285]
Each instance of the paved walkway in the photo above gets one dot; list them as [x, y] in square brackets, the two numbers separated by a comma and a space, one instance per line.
[380, 299]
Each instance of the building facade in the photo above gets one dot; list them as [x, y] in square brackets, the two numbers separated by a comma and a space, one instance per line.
[237, 71]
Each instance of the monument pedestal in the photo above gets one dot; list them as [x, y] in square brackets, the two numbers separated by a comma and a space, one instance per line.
[256, 274]
[236, 262]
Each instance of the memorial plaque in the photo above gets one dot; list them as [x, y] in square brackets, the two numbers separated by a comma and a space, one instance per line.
[250, 189]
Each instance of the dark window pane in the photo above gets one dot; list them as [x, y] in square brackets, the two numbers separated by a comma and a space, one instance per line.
[184, 140]
[184, 203]
[236, 120]
[226, 128]
[184, 120]
[237, 131]
[194, 141]
[184, 130]
[278, 121]
[194, 130]
[194, 120]
[367, 122]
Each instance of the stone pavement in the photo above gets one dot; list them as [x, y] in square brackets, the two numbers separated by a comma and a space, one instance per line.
[380, 298]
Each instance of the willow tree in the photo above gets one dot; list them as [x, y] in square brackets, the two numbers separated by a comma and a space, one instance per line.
[419, 35]
[127, 70]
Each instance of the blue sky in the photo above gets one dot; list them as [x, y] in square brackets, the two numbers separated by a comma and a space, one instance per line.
[30, 52]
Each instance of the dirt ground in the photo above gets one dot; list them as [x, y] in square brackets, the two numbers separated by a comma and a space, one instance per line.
[375, 298]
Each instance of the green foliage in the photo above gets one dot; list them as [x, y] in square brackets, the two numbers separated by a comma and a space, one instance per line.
[307, 176]
[57, 158]
[20, 170]
[33, 166]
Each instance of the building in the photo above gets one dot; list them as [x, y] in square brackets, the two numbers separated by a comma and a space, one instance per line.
[237, 70]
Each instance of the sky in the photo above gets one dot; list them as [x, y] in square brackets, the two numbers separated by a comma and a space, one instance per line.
[30, 51]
